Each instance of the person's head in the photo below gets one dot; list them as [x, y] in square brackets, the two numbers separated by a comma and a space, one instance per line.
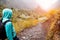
[7, 13]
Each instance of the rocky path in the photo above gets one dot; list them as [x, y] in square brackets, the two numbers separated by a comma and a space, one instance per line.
[37, 32]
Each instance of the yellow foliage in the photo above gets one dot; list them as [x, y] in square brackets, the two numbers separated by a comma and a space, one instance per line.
[42, 19]
[54, 25]
[21, 25]
[51, 13]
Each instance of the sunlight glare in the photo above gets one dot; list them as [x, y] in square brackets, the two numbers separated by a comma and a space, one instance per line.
[46, 4]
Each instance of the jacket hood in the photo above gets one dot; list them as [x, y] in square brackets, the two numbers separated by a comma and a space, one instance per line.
[7, 13]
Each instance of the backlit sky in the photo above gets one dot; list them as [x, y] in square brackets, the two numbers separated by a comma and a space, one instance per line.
[30, 4]
[47, 4]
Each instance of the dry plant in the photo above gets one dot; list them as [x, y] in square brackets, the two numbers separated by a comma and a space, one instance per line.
[54, 30]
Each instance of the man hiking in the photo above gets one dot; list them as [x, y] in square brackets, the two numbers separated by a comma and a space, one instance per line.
[9, 29]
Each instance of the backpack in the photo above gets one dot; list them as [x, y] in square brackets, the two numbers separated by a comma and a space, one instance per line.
[2, 29]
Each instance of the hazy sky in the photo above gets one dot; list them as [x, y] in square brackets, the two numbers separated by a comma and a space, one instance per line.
[48, 4]
[30, 4]
[22, 3]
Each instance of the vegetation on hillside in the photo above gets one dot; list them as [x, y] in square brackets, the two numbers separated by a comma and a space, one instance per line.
[54, 30]
[23, 18]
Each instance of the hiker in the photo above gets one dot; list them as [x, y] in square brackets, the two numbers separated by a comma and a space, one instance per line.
[9, 29]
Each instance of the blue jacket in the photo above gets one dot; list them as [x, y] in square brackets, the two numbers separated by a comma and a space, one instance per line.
[10, 31]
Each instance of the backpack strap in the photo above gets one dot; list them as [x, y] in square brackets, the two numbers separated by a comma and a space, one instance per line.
[6, 22]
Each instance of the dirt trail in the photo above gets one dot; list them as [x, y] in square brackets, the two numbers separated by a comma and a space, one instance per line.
[37, 32]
